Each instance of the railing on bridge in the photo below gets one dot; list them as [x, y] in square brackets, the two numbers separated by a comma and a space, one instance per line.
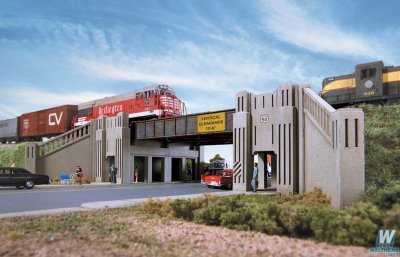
[63, 140]
[320, 112]
[179, 126]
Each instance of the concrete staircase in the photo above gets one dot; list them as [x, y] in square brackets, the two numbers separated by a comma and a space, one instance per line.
[64, 152]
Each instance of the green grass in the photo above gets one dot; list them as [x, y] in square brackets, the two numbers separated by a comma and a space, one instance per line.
[13, 152]
[382, 148]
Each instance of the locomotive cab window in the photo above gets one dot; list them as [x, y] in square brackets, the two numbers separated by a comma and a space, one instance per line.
[364, 74]
[372, 73]
[368, 73]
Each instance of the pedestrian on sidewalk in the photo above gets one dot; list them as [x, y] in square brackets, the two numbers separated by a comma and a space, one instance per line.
[79, 174]
[255, 176]
[136, 174]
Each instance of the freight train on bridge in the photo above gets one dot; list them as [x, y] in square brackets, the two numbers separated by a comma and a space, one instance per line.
[150, 102]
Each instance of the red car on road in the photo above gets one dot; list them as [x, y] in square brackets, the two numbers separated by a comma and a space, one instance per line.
[222, 178]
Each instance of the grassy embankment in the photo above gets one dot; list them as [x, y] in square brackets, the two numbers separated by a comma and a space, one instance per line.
[308, 216]
[8, 153]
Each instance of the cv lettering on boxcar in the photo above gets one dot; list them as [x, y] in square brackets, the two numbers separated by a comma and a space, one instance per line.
[54, 119]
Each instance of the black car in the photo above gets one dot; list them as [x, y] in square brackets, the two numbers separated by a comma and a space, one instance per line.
[21, 178]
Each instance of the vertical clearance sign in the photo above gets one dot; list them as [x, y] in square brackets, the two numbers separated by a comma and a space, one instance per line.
[211, 122]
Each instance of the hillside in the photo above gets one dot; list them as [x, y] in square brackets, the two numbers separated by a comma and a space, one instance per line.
[382, 147]
[8, 153]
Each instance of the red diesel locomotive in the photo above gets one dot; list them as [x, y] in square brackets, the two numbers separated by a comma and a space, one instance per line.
[149, 102]
[154, 101]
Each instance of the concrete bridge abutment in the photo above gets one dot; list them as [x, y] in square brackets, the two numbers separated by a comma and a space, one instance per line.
[315, 145]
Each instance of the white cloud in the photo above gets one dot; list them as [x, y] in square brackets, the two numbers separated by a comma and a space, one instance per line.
[35, 96]
[7, 111]
[223, 62]
[20, 100]
[188, 65]
[293, 24]
[135, 71]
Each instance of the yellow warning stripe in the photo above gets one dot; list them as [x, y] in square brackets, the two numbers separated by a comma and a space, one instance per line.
[339, 84]
[351, 83]
[391, 76]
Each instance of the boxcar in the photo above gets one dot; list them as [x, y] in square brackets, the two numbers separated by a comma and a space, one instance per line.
[47, 122]
[9, 130]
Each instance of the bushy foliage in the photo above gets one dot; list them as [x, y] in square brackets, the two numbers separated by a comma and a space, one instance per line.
[303, 216]
[12, 152]
[156, 207]
[211, 213]
[392, 217]
[386, 198]
[360, 223]
[265, 218]
[184, 208]
[296, 220]
[382, 145]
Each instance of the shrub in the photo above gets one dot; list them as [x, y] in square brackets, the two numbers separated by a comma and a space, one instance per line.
[323, 219]
[354, 225]
[238, 219]
[392, 217]
[12, 152]
[157, 207]
[296, 220]
[365, 211]
[254, 217]
[264, 218]
[183, 208]
[210, 214]
[314, 197]
[305, 216]
[388, 197]
[311, 198]
[361, 220]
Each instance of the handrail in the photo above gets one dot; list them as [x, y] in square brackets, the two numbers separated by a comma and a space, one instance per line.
[64, 139]
[319, 110]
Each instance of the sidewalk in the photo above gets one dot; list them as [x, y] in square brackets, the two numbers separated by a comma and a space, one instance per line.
[73, 185]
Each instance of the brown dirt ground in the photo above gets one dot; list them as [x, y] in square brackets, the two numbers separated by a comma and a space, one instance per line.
[132, 234]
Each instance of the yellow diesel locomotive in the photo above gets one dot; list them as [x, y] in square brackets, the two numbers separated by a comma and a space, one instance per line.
[371, 82]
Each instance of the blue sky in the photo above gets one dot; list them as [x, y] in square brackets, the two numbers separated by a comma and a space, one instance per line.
[67, 52]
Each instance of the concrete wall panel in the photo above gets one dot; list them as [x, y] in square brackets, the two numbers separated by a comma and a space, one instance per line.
[159, 128]
[140, 130]
[150, 129]
[66, 159]
[180, 126]
[192, 125]
[170, 127]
